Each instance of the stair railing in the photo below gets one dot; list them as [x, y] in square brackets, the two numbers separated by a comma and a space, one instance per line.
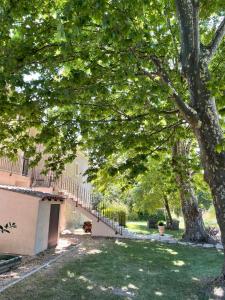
[85, 198]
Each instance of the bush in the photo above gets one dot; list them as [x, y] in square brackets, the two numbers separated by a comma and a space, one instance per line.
[161, 223]
[143, 216]
[116, 212]
[122, 218]
[153, 219]
[174, 225]
[133, 216]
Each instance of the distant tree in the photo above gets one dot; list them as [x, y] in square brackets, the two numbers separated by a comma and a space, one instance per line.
[182, 167]
[156, 188]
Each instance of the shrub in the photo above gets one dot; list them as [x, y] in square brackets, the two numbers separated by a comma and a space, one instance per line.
[116, 212]
[133, 216]
[155, 218]
[161, 223]
[174, 225]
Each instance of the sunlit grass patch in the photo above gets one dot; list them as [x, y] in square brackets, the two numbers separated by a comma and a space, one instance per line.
[123, 269]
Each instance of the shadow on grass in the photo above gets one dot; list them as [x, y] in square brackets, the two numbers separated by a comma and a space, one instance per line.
[146, 270]
[122, 269]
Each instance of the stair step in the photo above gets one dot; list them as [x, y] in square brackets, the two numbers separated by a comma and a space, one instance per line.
[86, 205]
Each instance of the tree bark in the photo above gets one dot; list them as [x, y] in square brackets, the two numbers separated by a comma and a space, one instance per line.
[194, 225]
[167, 207]
[209, 135]
[195, 60]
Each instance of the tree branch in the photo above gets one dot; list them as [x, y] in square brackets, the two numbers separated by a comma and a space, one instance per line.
[189, 114]
[170, 126]
[216, 40]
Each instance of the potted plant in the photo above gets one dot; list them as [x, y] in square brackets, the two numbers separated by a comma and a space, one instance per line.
[161, 227]
[87, 226]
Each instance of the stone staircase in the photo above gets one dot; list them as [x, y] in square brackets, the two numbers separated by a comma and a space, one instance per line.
[84, 203]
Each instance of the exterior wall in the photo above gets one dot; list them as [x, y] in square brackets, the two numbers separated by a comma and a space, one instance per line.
[23, 210]
[99, 228]
[11, 173]
[77, 168]
[42, 228]
[68, 220]
[70, 217]
[14, 179]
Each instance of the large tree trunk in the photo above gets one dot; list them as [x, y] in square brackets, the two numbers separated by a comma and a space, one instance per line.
[209, 135]
[202, 113]
[194, 225]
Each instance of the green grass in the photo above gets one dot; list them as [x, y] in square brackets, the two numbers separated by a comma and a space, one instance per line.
[210, 217]
[111, 270]
[141, 227]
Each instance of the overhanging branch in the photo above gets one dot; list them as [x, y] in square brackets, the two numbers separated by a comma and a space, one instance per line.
[216, 40]
[188, 112]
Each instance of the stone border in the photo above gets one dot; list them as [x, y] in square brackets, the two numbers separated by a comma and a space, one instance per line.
[167, 239]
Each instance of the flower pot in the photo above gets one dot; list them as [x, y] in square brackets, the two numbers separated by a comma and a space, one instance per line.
[161, 229]
[87, 226]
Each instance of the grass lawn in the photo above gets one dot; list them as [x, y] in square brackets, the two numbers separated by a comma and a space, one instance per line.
[113, 269]
[210, 217]
[141, 227]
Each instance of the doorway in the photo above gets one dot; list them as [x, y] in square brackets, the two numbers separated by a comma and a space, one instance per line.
[53, 225]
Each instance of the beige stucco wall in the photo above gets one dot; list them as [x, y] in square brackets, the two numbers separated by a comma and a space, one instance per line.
[14, 179]
[41, 238]
[75, 170]
[23, 210]
[31, 216]
[69, 220]
[99, 228]
[70, 170]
